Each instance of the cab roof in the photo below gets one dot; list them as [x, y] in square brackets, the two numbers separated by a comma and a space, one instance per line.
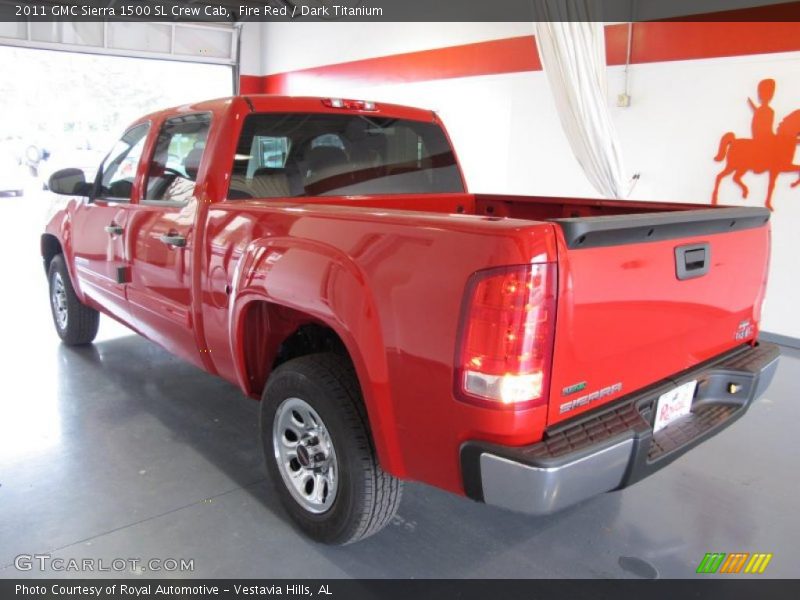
[312, 104]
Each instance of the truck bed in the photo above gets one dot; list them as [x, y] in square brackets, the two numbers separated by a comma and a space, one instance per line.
[563, 210]
[544, 208]
[645, 289]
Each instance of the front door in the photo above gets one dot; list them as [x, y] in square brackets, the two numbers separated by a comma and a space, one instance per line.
[99, 225]
[160, 239]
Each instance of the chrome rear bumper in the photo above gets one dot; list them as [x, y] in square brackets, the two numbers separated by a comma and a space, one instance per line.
[614, 446]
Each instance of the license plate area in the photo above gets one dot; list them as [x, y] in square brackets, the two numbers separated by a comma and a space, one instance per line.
[674, 404]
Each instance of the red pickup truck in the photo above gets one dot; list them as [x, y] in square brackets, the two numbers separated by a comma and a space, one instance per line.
[324, 255]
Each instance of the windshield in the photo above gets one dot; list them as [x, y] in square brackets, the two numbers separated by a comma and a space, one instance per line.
[290, 155]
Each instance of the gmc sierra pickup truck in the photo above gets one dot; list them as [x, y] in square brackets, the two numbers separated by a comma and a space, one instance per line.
[324, 255]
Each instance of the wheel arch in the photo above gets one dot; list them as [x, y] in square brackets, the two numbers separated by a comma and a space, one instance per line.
[314, 299]
[50, 248]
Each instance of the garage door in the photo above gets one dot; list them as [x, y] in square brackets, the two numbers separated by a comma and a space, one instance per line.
[212, 43]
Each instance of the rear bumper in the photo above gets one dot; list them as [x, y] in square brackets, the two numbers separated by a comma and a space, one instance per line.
[614, 446]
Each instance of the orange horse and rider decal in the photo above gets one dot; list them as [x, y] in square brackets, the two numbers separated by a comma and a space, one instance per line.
[767, 151]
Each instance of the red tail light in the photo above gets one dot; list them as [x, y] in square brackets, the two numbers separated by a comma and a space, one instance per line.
[506, 339]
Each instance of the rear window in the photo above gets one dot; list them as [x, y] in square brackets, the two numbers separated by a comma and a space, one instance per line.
[290, 155]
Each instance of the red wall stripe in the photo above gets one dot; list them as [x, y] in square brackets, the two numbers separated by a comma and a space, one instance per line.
[510, 55]
[653, 41]
[781, 11]
[666, 41]
[251, 84]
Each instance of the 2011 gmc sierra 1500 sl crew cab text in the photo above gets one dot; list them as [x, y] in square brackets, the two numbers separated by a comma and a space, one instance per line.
[324, 255]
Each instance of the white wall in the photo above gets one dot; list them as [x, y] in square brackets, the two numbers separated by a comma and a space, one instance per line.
[252, 58]
[509, 139]
[291, 46]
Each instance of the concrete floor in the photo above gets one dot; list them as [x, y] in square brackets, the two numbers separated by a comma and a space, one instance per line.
[119, 450]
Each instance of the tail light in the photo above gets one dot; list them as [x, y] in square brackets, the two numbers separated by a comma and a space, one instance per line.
[349, 104]
[506, 339]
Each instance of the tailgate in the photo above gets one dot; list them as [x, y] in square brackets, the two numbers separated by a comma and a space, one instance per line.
[643, 297]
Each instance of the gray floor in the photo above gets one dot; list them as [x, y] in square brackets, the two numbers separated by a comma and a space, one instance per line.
[119, 450]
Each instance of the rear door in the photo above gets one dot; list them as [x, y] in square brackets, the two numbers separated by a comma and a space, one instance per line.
[160, 236]
[99, 224]
[644, 297]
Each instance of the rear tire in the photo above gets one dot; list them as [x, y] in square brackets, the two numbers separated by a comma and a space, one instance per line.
[75, 322]
[315, 402]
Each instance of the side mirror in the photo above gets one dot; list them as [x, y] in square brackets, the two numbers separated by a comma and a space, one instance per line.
[69, 182]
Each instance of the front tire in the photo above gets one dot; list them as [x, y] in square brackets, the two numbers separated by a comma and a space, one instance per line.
[319, 452]
[75, 322]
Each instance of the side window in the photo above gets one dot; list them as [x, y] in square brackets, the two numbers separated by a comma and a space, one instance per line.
[118, 170]
[176, 158]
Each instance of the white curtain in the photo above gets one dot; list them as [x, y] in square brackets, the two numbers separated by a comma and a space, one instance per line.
[573, 55]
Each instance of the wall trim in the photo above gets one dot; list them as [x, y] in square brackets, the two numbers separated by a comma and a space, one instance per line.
[781, 340]
[653, 41]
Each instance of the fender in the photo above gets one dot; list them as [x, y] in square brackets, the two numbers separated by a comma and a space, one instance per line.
[323, 282]
[59, 225]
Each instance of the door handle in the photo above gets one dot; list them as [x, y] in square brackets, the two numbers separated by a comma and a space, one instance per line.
[692, 260]
[173, 239]
[113, 229]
